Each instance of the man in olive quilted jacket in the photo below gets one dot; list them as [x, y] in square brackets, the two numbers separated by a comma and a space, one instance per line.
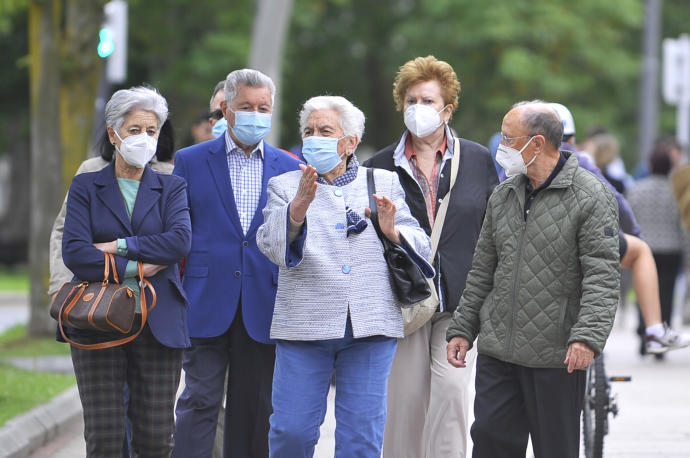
[542, 293]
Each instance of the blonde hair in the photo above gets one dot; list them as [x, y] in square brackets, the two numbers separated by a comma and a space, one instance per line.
[604, 150]
[424, 69]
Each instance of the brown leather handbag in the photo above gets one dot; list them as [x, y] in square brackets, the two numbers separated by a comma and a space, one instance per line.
[101, 307]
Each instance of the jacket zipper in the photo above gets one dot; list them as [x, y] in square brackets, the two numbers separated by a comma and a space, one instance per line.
[516, 270]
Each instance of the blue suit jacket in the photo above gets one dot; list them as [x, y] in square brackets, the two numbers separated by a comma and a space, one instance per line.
[158, 233]
[224, 264]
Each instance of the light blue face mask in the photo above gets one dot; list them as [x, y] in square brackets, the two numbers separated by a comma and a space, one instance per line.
[219, 127]
[251, 126]
[321, 153]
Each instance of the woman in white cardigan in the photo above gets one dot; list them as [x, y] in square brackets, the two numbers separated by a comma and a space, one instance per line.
[335, 308]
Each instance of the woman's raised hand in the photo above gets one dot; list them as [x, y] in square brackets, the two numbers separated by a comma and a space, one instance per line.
[305, 193]
[386, 211]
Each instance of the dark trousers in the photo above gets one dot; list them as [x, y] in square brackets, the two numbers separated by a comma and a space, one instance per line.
[249, 365]
[667, 269]
[152, 373]
[514, 402]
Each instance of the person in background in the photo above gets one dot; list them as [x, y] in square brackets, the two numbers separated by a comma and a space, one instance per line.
[230, 284]
[635, 254]
[657, 213]
[201, 129]
[136, 214]
[215, 115]
[542, 293]
[605, 150]
[335, 308]
[427, 398]
[492, 146]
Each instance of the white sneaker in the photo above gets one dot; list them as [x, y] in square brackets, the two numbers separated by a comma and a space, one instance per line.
[671, 340]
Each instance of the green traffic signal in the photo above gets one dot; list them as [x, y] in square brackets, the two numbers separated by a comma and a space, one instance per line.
[106, 45]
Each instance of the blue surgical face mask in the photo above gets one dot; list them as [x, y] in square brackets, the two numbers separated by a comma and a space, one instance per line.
[321, 153]
[219, 127]
[251, 126]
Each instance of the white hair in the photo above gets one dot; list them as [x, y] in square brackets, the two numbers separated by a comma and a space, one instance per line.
[248, 77]
[135, 98]
[350, 117]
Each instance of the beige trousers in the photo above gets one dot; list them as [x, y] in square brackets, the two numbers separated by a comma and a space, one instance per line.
[427, 397]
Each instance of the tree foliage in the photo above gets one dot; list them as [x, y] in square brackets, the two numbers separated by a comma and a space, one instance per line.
[586, 57]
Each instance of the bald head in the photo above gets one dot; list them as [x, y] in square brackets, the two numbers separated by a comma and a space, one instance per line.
[538, 118]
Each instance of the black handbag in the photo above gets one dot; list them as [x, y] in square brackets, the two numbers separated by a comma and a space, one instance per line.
[409, 283]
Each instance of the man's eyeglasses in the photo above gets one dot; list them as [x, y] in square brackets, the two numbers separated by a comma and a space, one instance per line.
[508, 141]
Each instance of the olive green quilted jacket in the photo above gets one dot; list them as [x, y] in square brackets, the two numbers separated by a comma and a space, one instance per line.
[540, 284]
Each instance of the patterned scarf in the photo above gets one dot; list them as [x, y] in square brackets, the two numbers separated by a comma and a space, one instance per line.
[355, 223]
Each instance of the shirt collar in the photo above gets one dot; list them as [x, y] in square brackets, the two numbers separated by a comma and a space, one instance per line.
[231, 147]
[409, 152]
[556, 170]
[400, 159]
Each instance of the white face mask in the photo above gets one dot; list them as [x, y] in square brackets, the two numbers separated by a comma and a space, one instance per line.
[137, 150]
[511, 159]
[422, 120]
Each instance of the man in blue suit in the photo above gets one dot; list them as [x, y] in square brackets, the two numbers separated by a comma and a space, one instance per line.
[230, 284]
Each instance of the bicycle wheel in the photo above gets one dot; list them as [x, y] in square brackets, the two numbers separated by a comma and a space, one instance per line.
[595, 410]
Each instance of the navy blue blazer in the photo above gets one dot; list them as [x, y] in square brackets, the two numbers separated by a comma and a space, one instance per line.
[158, 233]
[224, 264]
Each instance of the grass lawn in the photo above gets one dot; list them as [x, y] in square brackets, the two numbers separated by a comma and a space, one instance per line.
[14, 343]
[14, 280]
[22, 390]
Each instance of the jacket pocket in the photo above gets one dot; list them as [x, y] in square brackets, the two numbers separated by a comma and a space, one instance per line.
[196, 271]
[197, 264]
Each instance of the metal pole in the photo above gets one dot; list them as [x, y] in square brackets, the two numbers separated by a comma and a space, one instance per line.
[268, 38]
[649, 98]
[683, 124]
[683, 116]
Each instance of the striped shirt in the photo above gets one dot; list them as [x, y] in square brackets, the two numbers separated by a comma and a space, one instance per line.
[246, 174]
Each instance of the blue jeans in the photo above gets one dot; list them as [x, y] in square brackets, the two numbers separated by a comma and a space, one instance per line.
[300, 387]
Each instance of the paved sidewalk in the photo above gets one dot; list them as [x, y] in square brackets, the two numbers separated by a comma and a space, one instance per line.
[14, 310]
[654, 419]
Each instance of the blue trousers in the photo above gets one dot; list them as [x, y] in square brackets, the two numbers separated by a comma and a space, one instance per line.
[301, 379]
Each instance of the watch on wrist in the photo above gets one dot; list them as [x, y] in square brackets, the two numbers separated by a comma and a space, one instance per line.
[121, 247]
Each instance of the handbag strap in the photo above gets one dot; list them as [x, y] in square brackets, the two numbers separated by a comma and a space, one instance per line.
[374, 215]
[111, 258]
[443, 209]
[143, 283]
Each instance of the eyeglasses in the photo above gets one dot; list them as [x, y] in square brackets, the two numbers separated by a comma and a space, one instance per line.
[508, 141]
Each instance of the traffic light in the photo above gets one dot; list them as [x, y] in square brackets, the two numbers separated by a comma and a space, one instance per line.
[106, 46]
[112, 44]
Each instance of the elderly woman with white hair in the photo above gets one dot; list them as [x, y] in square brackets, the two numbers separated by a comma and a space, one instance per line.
[135, 214]
[335, 309]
